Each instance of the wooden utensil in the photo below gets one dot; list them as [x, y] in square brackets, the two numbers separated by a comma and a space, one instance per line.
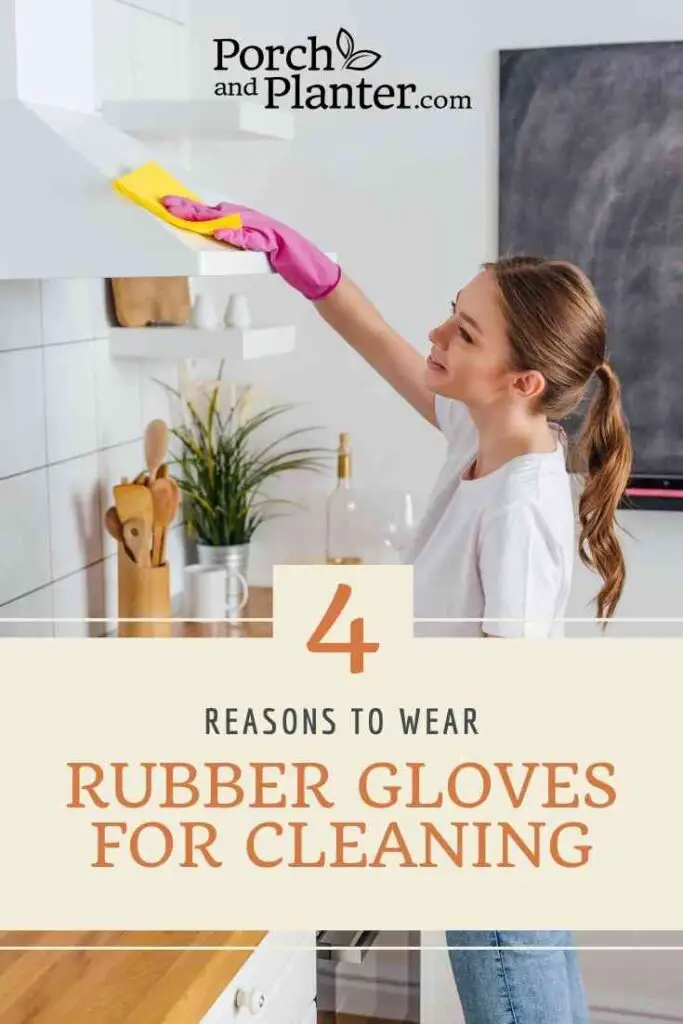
[136, 535]
[115, 529]
[156, 446]
[133, 501]
[113, 524]
[165, 501]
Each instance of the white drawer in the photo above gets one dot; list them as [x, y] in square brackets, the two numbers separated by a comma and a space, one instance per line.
[311, 1016]
[294, 994]
[282, 968]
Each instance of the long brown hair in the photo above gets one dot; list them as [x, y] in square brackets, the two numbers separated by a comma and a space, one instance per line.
[557, 325]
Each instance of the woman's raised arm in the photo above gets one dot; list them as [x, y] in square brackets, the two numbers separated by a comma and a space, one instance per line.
[353, 316]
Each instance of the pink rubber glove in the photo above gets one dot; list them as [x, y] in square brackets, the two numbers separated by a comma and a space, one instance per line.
[295, 259]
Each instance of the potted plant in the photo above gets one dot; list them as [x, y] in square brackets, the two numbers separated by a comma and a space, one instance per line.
[222, 470]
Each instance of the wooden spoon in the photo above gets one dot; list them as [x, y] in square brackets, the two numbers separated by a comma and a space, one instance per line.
[115, 529]
[165, 501]
[156, 446]
[133, 501]
[136, 537]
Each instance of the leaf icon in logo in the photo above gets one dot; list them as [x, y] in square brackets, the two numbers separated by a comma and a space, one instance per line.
[363, 60]
[345, 43]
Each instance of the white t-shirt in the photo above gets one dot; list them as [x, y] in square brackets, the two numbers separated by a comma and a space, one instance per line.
[494, 548]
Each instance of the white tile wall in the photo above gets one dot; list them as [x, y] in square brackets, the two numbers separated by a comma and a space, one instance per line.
[37, 605]
[22, 414]
[71, 419]
[20, 321]
[118, 405]
[70, 400]
[157, 402]
[68, 307]
[75, 515]
[74, 594]
[24, 535]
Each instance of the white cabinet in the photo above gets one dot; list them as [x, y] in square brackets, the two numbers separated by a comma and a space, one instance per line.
[439, 1002]
[311, 1016]
[276, 985]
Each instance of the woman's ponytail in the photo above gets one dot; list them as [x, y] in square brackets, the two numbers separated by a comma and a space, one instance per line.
[606, 456]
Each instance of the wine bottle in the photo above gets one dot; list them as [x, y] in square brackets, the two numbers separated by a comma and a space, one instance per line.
[343, 528]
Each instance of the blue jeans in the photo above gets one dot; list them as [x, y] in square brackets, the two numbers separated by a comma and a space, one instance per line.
[504, 985]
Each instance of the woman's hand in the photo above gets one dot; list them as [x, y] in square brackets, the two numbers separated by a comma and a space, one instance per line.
[290, 255]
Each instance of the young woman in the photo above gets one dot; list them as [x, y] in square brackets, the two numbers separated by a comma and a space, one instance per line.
[495, 549]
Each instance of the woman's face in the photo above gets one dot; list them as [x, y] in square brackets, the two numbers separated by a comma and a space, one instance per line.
[471, 356]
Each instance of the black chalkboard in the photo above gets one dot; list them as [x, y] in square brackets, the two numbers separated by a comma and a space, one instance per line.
[591, 170]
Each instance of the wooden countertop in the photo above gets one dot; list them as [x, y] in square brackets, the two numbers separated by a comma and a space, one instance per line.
[121, 986]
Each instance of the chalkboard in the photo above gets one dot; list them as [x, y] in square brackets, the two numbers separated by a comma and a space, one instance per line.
[591, 170]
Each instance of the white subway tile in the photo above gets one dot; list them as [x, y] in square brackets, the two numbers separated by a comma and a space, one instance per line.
[37, 605]
[24, 534]
[67, 309]
[80, 596]
[117, 393]
[114, 463]
[160, 57]
[20, 316]
[70, 400]
[75, 515]
[22, 414]
[113, 50]
[100, 307]
[157, 402]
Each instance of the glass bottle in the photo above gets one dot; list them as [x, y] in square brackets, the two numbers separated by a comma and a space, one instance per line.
[343, 513]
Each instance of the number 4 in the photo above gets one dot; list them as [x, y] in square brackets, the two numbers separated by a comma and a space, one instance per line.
[355, 647]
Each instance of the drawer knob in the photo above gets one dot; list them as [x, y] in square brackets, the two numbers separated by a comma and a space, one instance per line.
[250, 999]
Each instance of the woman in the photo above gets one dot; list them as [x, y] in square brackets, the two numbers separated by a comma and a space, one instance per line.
[495, 548]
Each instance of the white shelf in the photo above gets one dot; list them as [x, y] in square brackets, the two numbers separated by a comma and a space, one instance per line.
[199, 343]
[217, 120]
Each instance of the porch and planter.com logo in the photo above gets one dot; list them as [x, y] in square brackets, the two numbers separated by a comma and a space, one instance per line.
[278, 78]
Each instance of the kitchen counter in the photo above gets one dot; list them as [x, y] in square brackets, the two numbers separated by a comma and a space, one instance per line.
[50, 986]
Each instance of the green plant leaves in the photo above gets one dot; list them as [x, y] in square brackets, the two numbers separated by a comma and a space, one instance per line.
[222, 471]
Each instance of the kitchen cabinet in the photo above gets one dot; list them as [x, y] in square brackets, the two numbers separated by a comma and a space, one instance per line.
[276, 985]
[439, 1002]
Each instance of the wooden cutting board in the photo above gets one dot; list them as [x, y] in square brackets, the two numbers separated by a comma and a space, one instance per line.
[139, 301]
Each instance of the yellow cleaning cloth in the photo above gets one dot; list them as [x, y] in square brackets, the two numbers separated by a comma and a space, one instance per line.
[147, 184]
